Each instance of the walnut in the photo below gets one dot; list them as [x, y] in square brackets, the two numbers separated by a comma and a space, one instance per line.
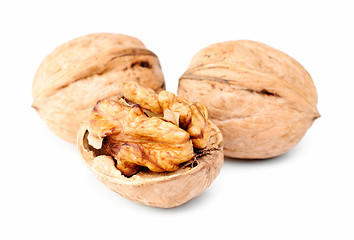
[77, 74]
[145, 144]
[262, 100]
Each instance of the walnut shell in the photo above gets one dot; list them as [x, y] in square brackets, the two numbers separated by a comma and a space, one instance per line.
[262, 100]
[165, 190]
[77, 74]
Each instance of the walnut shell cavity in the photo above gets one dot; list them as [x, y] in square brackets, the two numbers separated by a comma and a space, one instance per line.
[262, 100]
[158, 189]
[77, 74]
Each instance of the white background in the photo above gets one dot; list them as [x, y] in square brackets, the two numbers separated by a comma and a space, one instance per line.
[46, 191]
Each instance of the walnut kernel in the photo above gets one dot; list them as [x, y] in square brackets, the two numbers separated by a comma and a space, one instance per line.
[144, 144]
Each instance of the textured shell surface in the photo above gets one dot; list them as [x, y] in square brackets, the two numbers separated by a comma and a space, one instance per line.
[77, 74]
[262, 100]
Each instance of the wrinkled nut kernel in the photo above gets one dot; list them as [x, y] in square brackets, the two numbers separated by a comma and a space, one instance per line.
[156, 149]
[77, 74]
[262, 100]
[135, 140]
[191, 117]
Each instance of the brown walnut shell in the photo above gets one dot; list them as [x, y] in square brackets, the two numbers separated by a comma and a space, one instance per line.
[262, 100]
[77, 74]
[166, 189]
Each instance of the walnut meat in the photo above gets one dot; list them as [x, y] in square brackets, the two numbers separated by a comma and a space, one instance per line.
[262, 100]
[142, 146]
[134, 139]
[77, 74]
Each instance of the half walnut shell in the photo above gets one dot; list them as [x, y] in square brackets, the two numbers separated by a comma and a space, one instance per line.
[165, 190]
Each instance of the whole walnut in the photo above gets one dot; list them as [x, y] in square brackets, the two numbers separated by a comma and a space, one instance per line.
[155, 149]
[262, 100]
[77, 74]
